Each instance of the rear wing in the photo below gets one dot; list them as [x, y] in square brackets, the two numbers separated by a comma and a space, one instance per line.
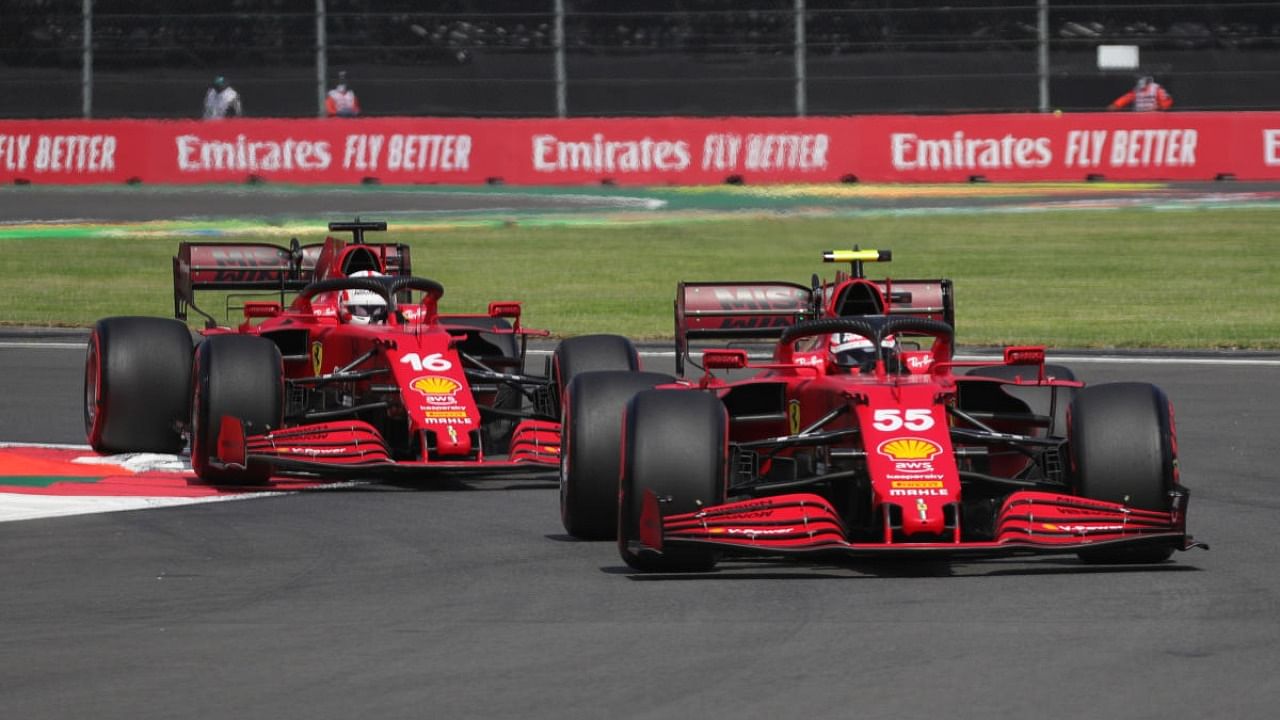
[257, 267]
[265, 267]
[763, 310]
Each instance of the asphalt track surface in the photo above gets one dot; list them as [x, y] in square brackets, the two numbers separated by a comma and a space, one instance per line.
[128, 204]
[144, 203]
[466, 600]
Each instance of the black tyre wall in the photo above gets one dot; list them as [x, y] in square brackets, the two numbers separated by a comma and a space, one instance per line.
[1122, 444]
[675, 444]
[137, 384]
[591, 449]
[591, 353]
[241, 376]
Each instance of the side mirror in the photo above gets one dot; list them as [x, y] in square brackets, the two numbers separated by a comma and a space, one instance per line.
[724, 359]
[261, 309]
[505, 310]
[1024, 355]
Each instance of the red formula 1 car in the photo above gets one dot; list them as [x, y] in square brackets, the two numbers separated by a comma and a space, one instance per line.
[357, 376]
[863, 436]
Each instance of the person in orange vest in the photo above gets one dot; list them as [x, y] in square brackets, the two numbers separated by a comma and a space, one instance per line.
[1147, 95]
[341, 100]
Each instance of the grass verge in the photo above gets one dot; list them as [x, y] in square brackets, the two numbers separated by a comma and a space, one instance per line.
[1194, 278]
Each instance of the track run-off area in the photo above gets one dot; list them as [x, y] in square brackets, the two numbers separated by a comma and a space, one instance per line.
[465, 599]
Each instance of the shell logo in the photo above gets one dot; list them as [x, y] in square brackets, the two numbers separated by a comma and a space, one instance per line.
[438, 390]
[909, 448]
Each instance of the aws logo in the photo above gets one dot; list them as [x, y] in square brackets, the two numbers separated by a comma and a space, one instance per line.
[910, 455]
[437, 389]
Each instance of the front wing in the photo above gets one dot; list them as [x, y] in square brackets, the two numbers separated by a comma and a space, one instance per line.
[354, 448]
[1028, 523]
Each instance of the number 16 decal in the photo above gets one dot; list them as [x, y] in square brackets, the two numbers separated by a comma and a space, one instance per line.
[433, 362]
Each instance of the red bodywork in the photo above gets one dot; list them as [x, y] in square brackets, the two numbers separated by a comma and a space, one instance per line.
[913, 470]
[401, 397]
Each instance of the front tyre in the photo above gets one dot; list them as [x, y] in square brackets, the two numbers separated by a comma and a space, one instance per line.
[675, 445]
[137, 382]
[591, 449]
[241, 376]
[1124, 450]
[591, 353]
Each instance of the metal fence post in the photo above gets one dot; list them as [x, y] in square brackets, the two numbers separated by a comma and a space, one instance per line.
[800, 52]
[562, 80]
[86, 60]
[1042, 51]
[322, 57]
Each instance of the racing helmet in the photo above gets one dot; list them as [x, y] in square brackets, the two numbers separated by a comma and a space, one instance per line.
[852, 351]
[362, 307]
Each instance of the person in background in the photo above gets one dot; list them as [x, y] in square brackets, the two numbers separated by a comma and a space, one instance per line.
[341, 100]
[222, 101]
[1146, 96]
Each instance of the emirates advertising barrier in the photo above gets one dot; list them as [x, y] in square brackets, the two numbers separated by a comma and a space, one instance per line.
[648, 151]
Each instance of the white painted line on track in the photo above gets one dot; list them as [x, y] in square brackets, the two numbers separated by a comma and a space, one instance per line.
[30, 506]
[32, 345]
[51, 446]
[15, 506]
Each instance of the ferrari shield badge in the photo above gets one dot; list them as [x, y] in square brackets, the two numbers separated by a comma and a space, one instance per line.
[317, 357]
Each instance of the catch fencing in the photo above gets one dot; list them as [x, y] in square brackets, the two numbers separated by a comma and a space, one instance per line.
[580, 58]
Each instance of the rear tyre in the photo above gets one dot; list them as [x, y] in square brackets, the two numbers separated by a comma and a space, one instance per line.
[591, 449]
[1038, 400]
[591, 353]
[675, 445]
[501, 352]
[137, 383]
[1123, 450]
[241, 376]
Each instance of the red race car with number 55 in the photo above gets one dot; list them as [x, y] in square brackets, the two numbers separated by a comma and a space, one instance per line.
[357, 375]
[863, 436]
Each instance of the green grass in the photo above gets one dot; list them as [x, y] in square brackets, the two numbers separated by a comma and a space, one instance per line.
[1195, 278]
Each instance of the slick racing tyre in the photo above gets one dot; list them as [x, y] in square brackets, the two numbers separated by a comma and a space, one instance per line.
[1123, 450]
[241, 376]
[500, 352]
[591, 442]
[1039, 401]
[675, 446]
[590, 353]
[137, 382]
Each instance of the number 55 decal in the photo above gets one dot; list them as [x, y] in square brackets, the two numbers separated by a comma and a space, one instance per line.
[891, 419]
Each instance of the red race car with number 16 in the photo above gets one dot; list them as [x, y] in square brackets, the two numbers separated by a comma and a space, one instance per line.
[345, 369]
